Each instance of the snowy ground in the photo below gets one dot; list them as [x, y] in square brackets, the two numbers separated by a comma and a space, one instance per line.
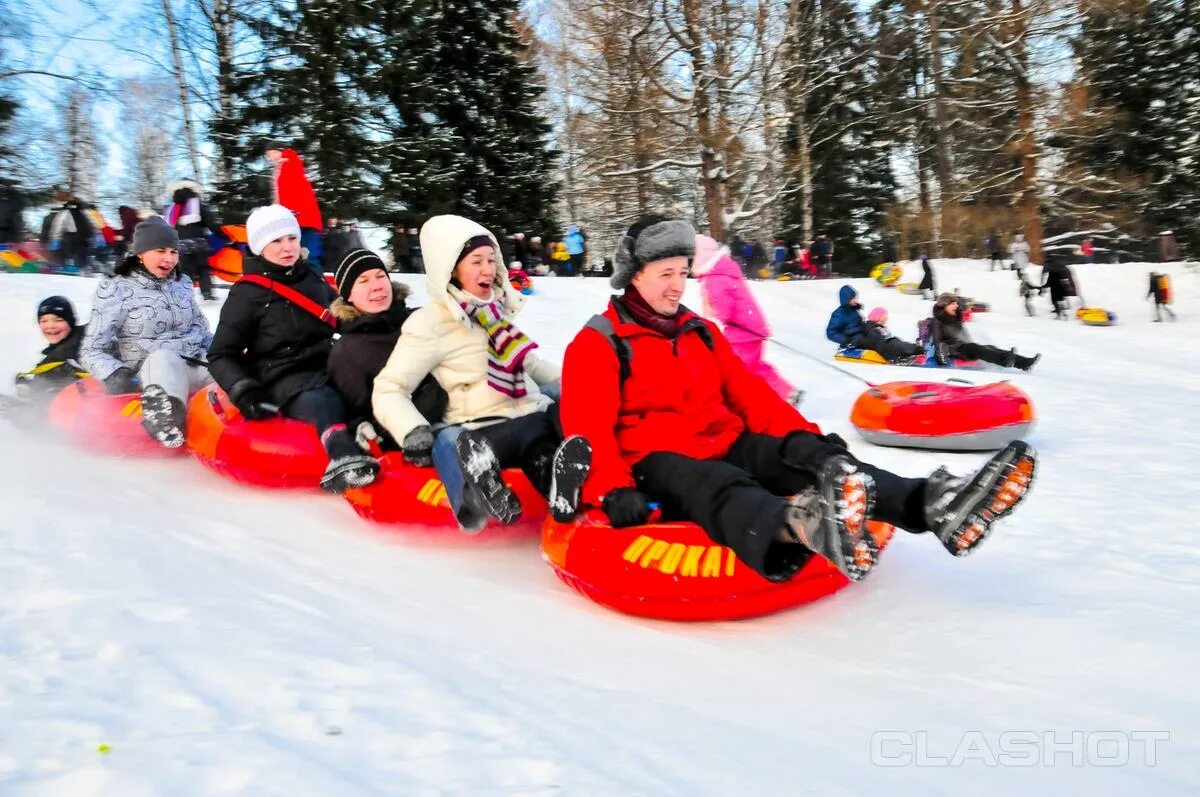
[165, 632]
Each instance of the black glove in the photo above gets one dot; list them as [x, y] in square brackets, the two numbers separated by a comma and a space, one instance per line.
[418, 447]
[250, 402]
[626, 506]
[836, 439]
[120, 381]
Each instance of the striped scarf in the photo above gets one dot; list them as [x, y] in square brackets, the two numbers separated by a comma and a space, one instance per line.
[507, 345]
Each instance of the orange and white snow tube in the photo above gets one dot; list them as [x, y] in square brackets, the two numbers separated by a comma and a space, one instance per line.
[275, 452]
[674, 571]
[86, 413]
[414, 498]
[941, 416]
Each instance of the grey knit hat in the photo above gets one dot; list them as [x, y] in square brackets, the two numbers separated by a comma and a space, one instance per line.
[650, 238]
[154, 233]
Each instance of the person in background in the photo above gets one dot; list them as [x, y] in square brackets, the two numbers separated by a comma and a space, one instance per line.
[1087, 250]
[928, 285]
[293, 190]
[1160, 289]
[728, 302]
[576, 247]
[193, 219]
[951, 339]
[1019, 252]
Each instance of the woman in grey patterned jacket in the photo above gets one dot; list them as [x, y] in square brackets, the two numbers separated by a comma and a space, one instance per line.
[147, 331]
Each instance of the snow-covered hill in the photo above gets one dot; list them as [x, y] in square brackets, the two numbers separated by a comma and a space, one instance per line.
[222, 640]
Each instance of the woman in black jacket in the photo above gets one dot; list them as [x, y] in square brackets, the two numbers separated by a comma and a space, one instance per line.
[370, 310]
[272, 343]
[952, 340]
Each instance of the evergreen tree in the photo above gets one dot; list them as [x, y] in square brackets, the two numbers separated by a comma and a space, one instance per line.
[489, 148]
[303, 92]
[415, 108]
[852, 175]
[1126, 154]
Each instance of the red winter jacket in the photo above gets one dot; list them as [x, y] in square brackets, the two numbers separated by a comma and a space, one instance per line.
[680, 396]
[295, 192]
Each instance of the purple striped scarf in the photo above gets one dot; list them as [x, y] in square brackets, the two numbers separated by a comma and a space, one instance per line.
[507, 345]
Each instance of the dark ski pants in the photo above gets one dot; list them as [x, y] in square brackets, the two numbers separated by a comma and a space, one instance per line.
[195, 265]
[324, 408]
[989, 354]
[528, 442]
[739, 501]
[888, 348]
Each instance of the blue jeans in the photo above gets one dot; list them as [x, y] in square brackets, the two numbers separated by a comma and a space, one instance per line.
[445, 461]
[527, 442]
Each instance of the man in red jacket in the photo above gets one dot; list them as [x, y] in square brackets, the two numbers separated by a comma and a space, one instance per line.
[293, 190]
[673, 416]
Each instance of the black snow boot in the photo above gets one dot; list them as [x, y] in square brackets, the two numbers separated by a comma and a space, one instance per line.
[831, 519]
[961, 510]
[572, 462]
[348, 465]
[485, 495]
[1027, 363]
[163, 416]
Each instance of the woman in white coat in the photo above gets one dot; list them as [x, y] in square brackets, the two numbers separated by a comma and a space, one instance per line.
[499, 387]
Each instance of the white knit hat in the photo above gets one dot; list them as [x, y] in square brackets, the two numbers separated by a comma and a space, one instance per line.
[268, 223]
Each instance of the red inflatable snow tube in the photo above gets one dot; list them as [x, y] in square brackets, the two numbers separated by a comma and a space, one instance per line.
[674, 571]
[940, 416]
[413, 497]
[86, 413]
[276, 452]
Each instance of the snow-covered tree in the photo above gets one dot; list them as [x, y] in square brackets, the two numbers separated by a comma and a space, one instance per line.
[151, 127]
[79, 154]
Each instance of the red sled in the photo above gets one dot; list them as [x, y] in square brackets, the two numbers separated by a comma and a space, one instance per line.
[415, 498]
[87, 415]
[674, 571]
[275, 452]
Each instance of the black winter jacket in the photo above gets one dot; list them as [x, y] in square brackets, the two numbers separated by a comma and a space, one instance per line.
[948, 329]
[36, 383]
[264, 339]
[1058, 278]
[360, 353]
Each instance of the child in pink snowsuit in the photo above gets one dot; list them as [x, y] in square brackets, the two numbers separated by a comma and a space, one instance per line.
[728, 301]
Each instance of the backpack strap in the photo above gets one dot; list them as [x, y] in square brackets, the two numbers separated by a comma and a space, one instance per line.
[292, 295]
[621, 347]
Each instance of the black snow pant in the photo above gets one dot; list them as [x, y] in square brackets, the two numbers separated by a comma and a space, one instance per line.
[889, 348]
[577, 264]
[739, 501]
[989, 354]
[528, 443]
[324, 408]
[193, 259]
